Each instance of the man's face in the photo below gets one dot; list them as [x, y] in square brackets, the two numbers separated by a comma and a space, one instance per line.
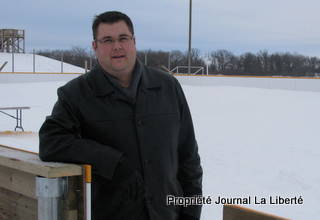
[115, 48]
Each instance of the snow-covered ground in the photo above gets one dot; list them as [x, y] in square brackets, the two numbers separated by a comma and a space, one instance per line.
[23, 62]
[286, 83]
[259, 142]
[252, 141]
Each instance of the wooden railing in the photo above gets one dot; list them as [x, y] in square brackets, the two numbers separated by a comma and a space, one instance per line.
[24, 194]
[235, 212]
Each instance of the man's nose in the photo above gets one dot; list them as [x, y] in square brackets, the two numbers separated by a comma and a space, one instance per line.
[117, 45]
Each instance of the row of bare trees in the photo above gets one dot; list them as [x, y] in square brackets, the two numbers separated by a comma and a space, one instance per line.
[263, 63]
[77, 56]
[218, 62]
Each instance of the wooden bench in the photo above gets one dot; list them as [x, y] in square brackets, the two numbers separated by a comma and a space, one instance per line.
[18, 116]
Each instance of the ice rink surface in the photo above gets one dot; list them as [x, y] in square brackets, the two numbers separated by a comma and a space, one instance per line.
[253, 142]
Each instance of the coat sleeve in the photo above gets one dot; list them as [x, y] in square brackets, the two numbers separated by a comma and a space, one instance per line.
[60, 141]
[190, 170]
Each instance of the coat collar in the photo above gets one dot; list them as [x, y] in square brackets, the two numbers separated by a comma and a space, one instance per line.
[149, 79]
[102, 86]
[99, 82]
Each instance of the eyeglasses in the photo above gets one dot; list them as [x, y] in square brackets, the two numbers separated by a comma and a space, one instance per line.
[123, 40]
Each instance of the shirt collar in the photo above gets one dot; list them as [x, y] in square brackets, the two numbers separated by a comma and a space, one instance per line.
[102, 86]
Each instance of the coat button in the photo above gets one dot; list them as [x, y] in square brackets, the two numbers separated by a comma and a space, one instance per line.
[139, 123]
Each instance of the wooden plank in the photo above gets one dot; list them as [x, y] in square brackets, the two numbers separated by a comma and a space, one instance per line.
[234, 212]
[17, 181]
[22, 185]
[18, 171]
[31, 163]
[15, 206]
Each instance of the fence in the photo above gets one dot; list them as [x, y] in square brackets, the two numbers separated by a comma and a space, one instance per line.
[31, 189]
[34, 63]
[184, 69]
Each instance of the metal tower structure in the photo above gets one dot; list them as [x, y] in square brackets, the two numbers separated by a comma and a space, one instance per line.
[12, 41]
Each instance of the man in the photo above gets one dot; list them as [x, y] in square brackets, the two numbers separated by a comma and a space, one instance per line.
[133, 125]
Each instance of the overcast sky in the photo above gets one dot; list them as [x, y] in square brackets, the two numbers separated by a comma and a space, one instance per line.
[236, 25]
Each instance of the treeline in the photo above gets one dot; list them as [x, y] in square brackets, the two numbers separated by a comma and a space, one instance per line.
[263, 63]
[217, 62]
[76, 55]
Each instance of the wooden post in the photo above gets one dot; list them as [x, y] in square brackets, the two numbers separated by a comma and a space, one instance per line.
[18, 173]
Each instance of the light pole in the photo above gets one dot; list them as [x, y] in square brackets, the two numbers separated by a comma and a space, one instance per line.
[189, 50]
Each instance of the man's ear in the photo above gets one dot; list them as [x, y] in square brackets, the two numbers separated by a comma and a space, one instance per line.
[94, 45]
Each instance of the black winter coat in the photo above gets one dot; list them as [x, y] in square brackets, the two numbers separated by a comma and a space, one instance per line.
[92, 124]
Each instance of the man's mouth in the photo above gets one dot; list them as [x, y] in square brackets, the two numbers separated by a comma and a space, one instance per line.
[118, 57]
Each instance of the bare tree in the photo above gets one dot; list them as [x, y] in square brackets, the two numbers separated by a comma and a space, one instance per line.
[223, 61]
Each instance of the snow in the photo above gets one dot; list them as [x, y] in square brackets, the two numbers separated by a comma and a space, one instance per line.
[284, 83]
[23, 62]
[40, 97]
[252, 141]
[258, 142]
[36, 77]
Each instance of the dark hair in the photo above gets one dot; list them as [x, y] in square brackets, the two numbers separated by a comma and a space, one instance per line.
[111, 17]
